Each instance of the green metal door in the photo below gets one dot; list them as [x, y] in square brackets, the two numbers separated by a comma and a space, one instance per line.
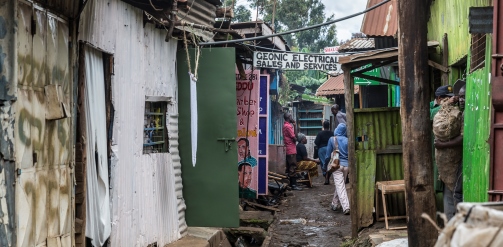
[210, 188]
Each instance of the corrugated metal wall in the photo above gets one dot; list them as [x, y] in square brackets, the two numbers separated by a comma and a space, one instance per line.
[476, 132]
[451, 17]
[147, 205]
[378, 156]
[44, 148]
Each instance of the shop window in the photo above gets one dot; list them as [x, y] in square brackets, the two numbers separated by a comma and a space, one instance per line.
[155, 137]
[478, 51]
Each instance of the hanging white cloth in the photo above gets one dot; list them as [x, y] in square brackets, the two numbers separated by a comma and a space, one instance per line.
[193, 117]
[98, 224]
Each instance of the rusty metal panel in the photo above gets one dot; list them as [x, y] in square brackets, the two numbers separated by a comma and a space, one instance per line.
[358, 44]
[382, 21]
[378, 133]
[43, 147]
[496, 141]
[200, 12]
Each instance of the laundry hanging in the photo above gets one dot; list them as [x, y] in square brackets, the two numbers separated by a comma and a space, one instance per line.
[193, 117]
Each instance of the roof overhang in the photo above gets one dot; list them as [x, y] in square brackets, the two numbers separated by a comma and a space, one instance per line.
[260, 28]
[377, 58]
[357, 60]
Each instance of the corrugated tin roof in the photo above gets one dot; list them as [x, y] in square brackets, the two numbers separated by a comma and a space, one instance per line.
[334, 85]
[480, 19]
[357, 44]
[382, 21]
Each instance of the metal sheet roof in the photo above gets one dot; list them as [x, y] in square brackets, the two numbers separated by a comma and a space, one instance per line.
[369, 56]
[480, 19]
[357, 44]
[382, 21]
[334, 85]
[259, 28]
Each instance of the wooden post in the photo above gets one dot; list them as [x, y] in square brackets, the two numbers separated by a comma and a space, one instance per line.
[416, 126]
[349, 100]
[445, 60]
[81, 155]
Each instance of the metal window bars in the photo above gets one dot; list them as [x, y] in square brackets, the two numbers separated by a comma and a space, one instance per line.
[154, 129]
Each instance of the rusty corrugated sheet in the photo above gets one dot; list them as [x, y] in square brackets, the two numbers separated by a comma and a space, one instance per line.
[333, 86]
[378, 157]
[147, 205]
[357, 44]
[382, 21]
[43, 147]
[200, 12]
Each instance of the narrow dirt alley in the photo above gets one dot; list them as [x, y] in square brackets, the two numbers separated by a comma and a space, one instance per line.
[307, 220]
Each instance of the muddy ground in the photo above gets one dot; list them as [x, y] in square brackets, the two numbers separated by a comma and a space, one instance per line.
[306, 219]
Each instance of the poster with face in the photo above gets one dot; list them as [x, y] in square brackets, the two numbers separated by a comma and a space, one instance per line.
[247, 93]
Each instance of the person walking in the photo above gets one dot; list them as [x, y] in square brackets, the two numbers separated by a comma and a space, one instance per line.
[321, 142]
[291, 150]
[340, 200]
[338, 115]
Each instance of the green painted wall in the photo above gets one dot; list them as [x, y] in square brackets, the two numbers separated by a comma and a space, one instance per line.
[377, 130]
[451, 17]
[476, 132]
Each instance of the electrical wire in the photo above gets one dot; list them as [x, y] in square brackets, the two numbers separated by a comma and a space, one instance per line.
[295, 30]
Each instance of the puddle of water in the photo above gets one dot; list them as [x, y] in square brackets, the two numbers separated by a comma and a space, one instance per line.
[293, 221]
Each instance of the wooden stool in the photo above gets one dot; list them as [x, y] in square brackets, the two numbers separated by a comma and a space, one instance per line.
[389, 187]
[307, 181]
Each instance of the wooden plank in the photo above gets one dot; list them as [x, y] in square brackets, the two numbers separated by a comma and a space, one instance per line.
[378, 109]
[445, 59]
[277, 175]
[438, 66]
[376, 65]
[348, 97]
[383, 80]
[415, 117]
[262, 206]
[81, 187]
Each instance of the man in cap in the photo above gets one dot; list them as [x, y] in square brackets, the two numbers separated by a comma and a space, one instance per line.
[440, 94]
[452, 198]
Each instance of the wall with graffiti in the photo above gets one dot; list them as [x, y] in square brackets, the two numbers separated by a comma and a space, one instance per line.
[43, 127]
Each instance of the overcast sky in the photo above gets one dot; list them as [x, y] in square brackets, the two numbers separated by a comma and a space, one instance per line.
[341, 8]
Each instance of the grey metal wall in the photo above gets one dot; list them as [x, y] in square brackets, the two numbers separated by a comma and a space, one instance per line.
[43, 146]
